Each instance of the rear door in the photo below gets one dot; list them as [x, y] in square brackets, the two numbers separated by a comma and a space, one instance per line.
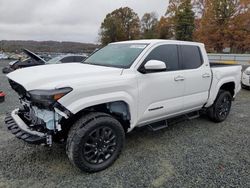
[197, 75]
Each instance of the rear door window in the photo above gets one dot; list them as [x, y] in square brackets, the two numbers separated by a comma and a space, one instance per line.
[191, 57]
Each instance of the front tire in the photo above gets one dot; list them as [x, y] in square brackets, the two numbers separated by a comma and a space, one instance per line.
[219, 111]
[95, 141]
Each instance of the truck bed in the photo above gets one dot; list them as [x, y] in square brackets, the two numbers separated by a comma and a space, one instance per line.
[223, 73]
[216, 64]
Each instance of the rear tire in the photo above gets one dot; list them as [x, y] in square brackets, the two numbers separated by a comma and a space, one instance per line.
[219, 111]
[95, 141]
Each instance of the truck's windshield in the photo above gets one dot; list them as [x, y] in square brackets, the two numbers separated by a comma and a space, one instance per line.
[116, 55]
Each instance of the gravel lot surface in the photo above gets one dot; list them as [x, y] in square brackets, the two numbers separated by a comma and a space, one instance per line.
[195, 153]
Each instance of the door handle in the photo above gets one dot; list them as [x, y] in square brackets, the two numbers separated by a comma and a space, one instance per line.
[206, 75]
[179, 78]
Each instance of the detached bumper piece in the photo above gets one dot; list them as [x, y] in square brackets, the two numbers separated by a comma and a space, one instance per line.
[17, 127]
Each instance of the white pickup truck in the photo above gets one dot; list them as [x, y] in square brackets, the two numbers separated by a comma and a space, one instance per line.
[91, 105]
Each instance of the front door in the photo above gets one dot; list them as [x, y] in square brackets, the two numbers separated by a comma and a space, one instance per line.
[161, 93]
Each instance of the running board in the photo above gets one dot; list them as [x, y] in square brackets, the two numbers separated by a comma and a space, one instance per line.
[158, 125]
[165, 123]
[192, 115]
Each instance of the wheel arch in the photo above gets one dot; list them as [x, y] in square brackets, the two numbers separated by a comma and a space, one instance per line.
[118, 109]
[121, 110]
[228, 84]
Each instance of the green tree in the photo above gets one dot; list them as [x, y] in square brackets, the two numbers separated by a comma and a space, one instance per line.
[119, 25]
[149, 23]
[181, 18]
[184, 26]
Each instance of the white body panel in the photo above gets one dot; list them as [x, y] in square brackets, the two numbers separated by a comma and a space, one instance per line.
[197, 84]
[143, 93]
[222, 75]
[159, 90]
[246, 77]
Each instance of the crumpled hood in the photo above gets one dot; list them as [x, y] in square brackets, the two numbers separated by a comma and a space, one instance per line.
[62, 75]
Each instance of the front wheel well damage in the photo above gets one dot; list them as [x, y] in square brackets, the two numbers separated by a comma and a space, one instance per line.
[117, 109]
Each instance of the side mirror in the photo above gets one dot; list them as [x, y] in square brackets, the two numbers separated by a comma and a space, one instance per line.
[153, 66]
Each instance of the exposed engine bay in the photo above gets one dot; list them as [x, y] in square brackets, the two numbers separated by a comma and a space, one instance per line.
[39, 117]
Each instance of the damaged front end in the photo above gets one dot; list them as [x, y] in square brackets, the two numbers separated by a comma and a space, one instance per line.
[38, 119]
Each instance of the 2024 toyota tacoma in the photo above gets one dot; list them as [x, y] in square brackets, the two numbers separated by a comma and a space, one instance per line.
[91, 105]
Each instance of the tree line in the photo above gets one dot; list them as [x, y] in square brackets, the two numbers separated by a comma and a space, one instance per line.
[217, 23]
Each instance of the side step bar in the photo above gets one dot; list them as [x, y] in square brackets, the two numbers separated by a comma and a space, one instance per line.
[158, 125]
[193, 115]
[164, 124]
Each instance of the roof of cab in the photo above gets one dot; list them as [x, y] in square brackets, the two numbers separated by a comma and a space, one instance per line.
[156, 41]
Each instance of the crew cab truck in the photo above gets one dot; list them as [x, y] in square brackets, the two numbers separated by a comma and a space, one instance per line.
[91, 105]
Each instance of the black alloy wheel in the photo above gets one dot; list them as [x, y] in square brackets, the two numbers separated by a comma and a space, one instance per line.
[100, 145]
[219, 111]
[95, 141]
[224, 106]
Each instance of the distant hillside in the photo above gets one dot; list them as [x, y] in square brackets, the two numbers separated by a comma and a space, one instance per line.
[47, 46]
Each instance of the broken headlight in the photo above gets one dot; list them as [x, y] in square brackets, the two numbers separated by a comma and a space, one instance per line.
[46, 98]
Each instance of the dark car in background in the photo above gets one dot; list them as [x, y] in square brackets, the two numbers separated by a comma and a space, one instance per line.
[66, 59]
[35, 60]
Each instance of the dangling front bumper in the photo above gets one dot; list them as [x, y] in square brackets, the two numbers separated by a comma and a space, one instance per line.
[22, 131]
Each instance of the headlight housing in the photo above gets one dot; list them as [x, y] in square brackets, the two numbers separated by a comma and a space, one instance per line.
[46, 98]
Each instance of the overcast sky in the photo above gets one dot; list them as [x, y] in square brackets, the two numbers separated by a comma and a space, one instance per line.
[64, 20]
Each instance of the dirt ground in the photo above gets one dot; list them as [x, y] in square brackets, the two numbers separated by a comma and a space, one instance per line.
[196, 153]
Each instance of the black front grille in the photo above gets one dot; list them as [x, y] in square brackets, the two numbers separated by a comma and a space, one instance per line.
[18, 88]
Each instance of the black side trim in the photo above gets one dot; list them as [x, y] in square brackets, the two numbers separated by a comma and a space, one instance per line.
[157, 108]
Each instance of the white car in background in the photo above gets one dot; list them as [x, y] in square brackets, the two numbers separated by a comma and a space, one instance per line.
[246, 78]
